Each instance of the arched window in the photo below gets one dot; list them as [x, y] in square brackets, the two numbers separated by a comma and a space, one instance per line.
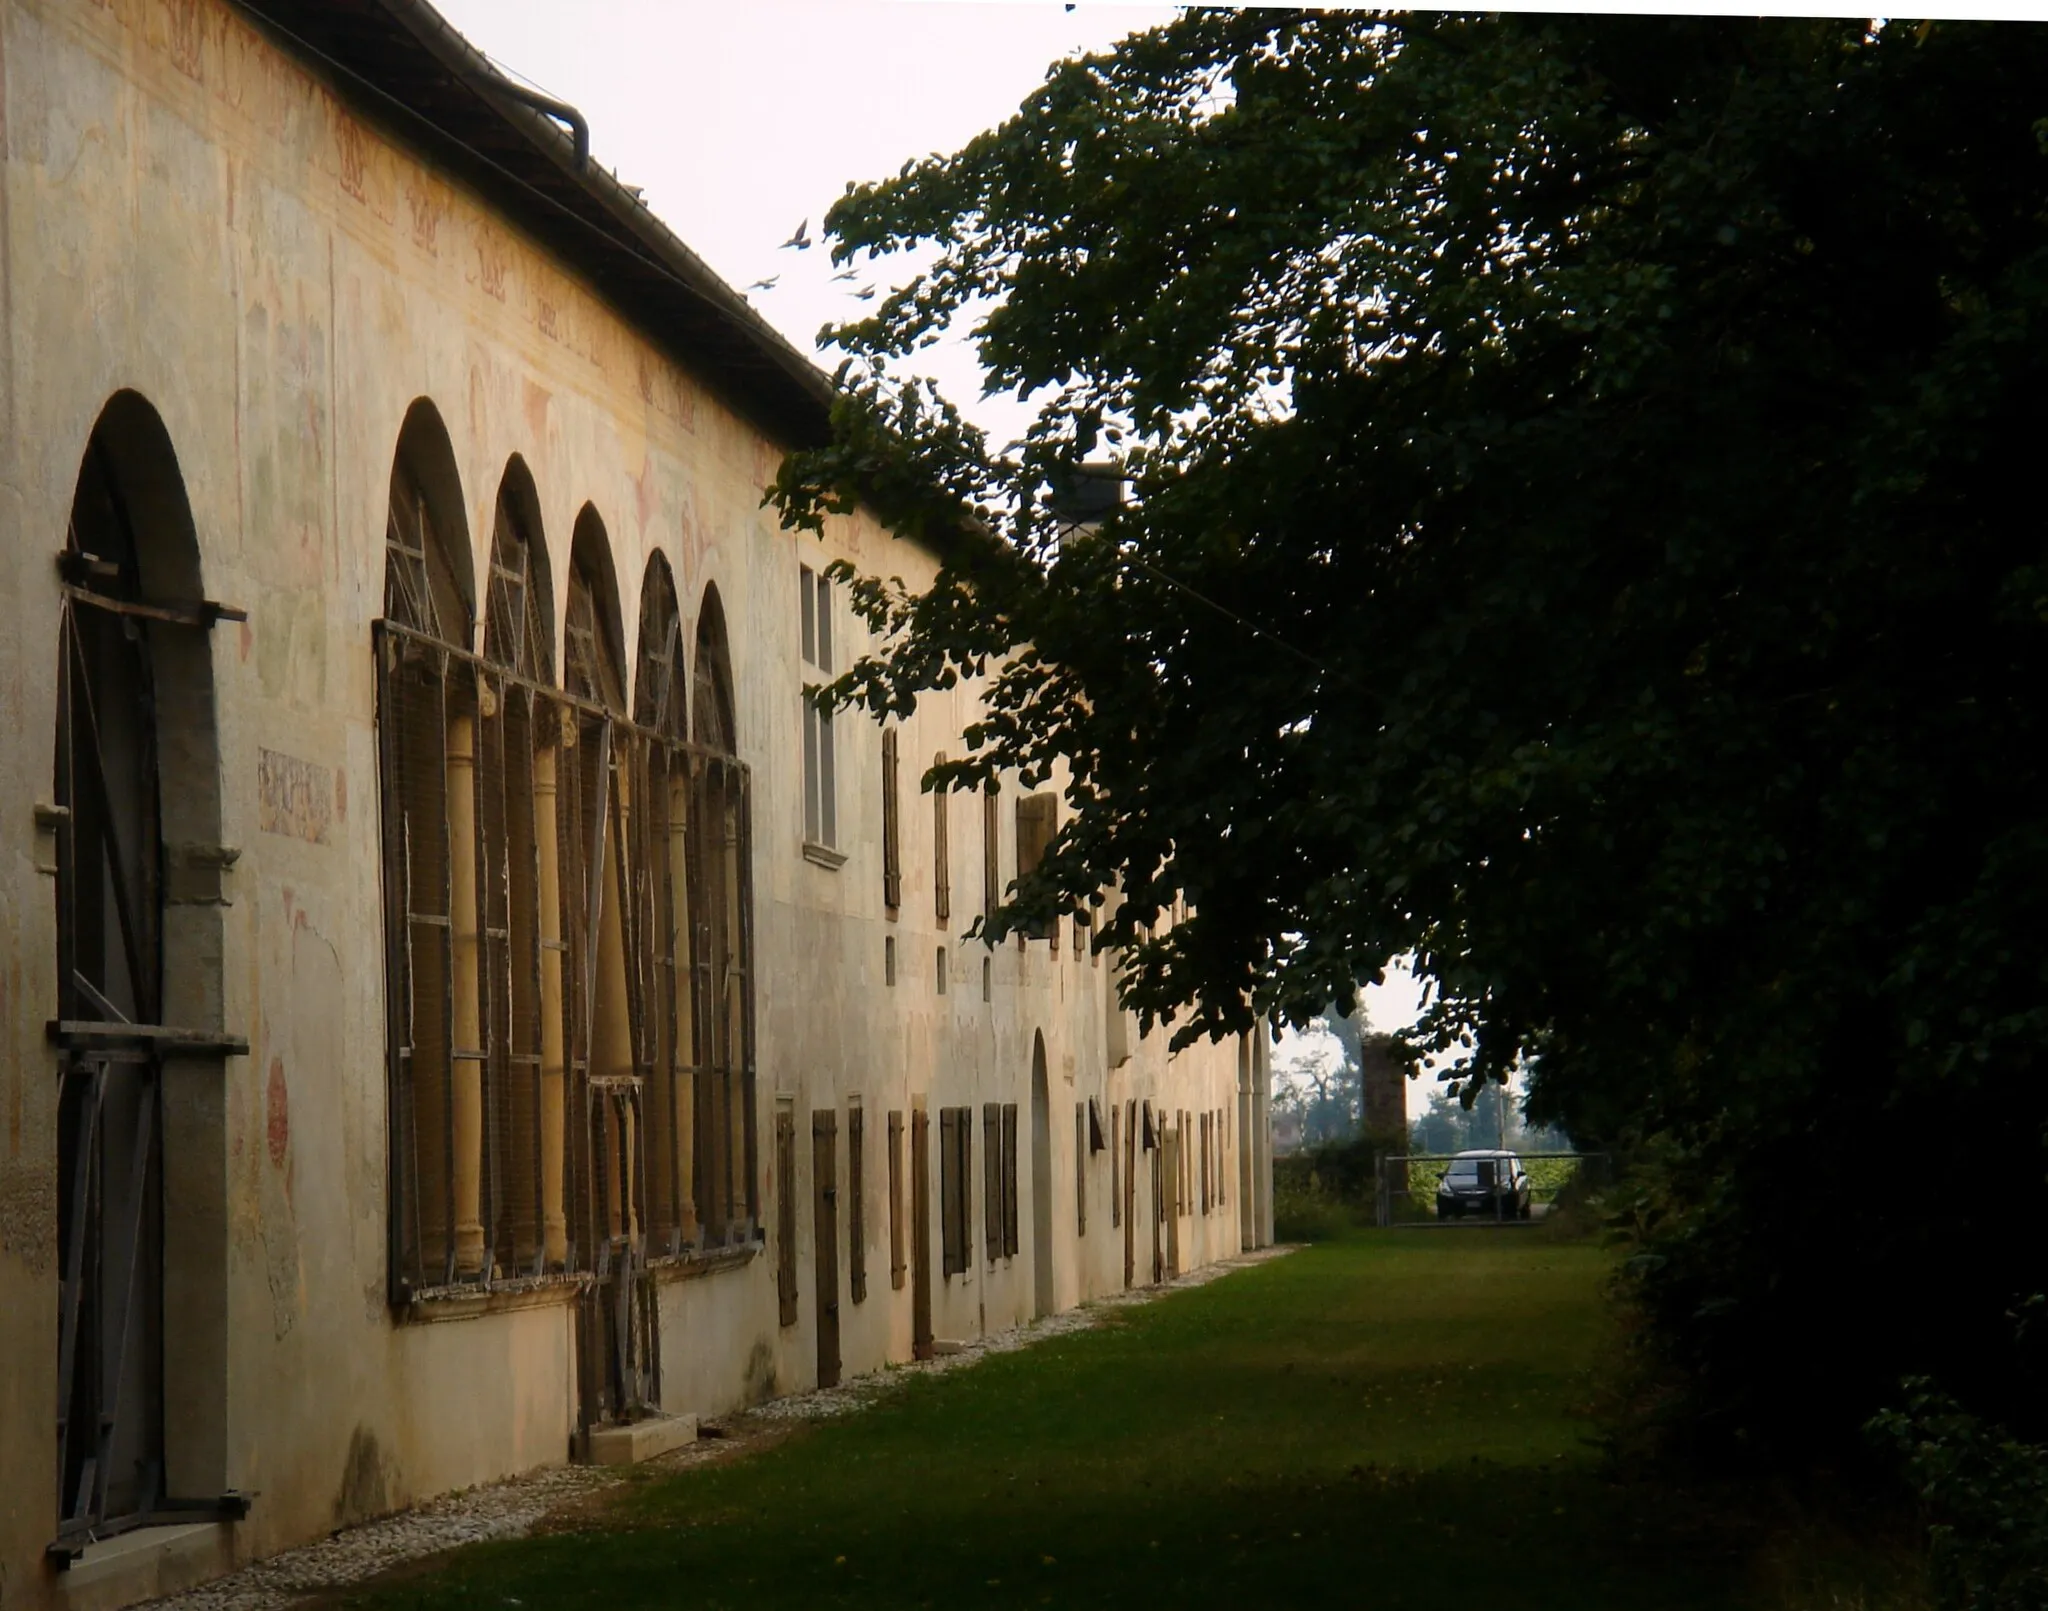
[660, 929]
[135, 818]
[722, 949]
[427, 747]
[598, 806]
[521, 976]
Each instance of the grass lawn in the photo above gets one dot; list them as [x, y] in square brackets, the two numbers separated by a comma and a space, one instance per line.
[1392, 1420]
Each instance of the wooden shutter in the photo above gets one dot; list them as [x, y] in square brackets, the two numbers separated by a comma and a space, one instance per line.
[892, 837]
[942, 854]
[1080, 1168]
[1116, 1165]
[963, 1138]
[1010, 1178]
[825, 1240]
[1129, 1199]
[953, 1255]
[896, 1201]
[785, 1216]
[992, 1178]
[991, 876]
[1222, 1155]
[920, 1233]
[856, 1206]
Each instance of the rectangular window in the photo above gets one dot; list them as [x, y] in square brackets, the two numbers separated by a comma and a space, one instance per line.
[888, 959]
[992, 1178]
[896, 1200]
[942, 970]
[1205, 1163]
[1010, 1178]
[856, 1204]
[785, 1214]
[892, 837]
[987, 974]
[956, 1195]
[1037, 820]
[821, 817]
[942, 854]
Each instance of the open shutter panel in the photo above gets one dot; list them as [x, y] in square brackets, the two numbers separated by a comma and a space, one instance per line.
[1116, 1166]
[856, 1216]
[896, 1201]
[1010, 1178]
[785, 1217]
[1080, 1169]
[949, 1190]
[892, 838]
[942, 855]
[991, 875]
[992, 1178]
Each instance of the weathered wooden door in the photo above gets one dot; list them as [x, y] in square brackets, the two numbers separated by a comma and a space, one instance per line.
[920, 1234]
[825, 1241]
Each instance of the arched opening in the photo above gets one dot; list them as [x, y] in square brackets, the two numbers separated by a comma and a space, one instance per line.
[136, 795]
[518, 737]
[427, 709]
[601, 808]
[720, 856]
[660, 910]
[1041, 1181]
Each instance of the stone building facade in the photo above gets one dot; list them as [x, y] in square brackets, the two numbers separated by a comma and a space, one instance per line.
[457, 997]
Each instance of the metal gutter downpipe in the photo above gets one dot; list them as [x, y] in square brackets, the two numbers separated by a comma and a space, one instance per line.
[560, 111]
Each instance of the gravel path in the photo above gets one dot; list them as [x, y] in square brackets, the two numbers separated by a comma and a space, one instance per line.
[516, 1506]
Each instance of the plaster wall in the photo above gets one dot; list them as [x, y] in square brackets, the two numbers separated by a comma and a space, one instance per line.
[190, 213]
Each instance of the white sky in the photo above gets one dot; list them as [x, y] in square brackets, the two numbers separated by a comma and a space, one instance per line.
[739, 119]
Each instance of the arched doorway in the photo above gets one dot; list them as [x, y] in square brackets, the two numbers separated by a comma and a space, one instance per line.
[1041, 1182]
[136, 790]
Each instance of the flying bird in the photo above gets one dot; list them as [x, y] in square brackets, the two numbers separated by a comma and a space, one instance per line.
[866, 293]
[765, 285]
[801, 240]
[845, 274]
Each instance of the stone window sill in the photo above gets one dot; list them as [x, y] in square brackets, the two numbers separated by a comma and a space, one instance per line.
[824, 856]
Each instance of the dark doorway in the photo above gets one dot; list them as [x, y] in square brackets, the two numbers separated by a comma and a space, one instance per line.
[137, 859]
[920, 1233]
[825, 1240]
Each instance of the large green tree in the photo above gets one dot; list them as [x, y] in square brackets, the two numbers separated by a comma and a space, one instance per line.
[1584, 530]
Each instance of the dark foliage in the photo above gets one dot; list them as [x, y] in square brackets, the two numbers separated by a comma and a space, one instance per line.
[1987, 1499]
[1586, 532]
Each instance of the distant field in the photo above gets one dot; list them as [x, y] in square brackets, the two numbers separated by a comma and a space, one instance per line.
[1385, 1420]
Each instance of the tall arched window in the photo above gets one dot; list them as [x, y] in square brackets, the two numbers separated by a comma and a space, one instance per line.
[598, 808]
[517, 740]
[660, 912]
[135, 819]
[427, 713]
[722, 949]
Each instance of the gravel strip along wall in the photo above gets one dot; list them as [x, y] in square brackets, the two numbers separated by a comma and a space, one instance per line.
[512, 1509]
